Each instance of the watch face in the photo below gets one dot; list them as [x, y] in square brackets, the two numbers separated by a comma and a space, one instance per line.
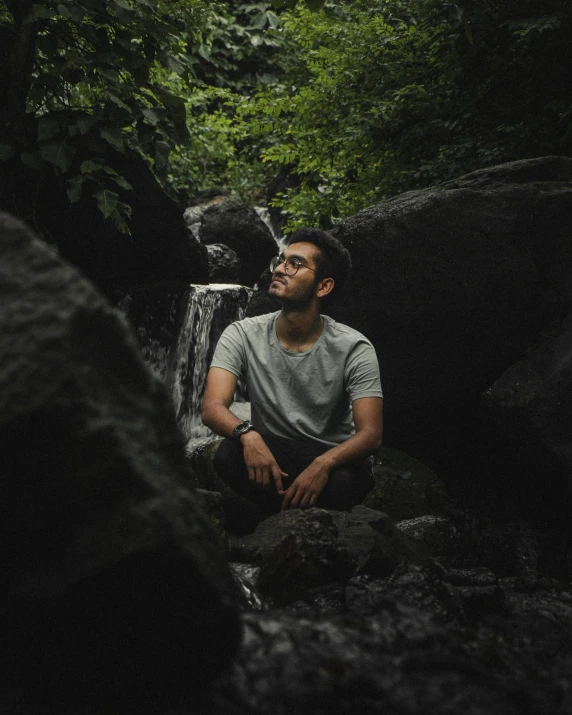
[241, 428]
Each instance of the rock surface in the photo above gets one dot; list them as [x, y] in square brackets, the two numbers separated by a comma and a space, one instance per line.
[224, 265]
[298, 551]
[453, 285]
[416, 659]
[113, 587]
[240, 228]
[406, 488]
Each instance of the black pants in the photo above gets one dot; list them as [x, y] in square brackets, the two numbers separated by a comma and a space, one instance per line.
[346, 487]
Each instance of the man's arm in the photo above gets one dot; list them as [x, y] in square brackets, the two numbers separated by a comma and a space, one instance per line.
[219, 393]
[368, 420]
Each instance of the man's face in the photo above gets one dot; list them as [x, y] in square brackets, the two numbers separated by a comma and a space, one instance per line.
[298, 290]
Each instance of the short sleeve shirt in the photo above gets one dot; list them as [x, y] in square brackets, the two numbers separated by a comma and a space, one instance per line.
[304, 395]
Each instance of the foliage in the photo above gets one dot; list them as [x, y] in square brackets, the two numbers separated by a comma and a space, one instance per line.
[239, 50]
[359, 99]
[392, 95]
[81, 72]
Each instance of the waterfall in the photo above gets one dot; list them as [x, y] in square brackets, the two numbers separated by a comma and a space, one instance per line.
[177, 330]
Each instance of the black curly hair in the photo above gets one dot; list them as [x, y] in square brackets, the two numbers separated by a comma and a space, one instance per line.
[332, 261]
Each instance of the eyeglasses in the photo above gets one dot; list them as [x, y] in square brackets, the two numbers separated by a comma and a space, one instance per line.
[291, 265]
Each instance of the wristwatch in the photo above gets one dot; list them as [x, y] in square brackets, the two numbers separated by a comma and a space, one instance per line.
[241, 428]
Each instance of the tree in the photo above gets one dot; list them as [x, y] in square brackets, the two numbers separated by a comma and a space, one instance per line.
[86, 69]
[382, 97]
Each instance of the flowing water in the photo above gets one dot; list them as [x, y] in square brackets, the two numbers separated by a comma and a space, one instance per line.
[177, 330]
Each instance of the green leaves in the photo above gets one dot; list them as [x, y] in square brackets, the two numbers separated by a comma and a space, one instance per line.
[107, 202]
[314, 5]
[60, 155]
[114, 137]
[74, 188]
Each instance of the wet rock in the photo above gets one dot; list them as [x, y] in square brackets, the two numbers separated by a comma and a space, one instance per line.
[463, 596]
[249, 597]
[239, 227]
[177, 327]
[224, 265]
[298, 551]
[418, 586]
[436, 534]
[400, 660]
[406, 488]
[113, 586]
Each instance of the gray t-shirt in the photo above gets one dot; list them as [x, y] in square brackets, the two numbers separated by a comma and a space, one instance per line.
[301, 395]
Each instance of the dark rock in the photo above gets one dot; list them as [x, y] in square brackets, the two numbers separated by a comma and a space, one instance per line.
[113, 586]
[284, 181]
[223, 264]
[434, 533]
[402, 659]
[212, 506]
[260, 302]
[158, 248]
[463, 595]
[530, 406]
[421, 587]
[197, 206]
[240, 228]
[406, 488]
[453, 284]
[298, 551]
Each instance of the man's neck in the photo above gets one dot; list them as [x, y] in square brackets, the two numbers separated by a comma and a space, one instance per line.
[298, 330]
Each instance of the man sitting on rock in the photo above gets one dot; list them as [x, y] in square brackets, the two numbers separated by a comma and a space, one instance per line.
[314, 388]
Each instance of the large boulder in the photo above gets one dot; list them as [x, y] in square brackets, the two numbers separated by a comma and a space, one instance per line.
[239, 227]
[300, 551]
[453, 284]
[113, 585]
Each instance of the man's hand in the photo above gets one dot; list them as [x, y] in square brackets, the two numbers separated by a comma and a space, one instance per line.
[263, 470]
[307, 487]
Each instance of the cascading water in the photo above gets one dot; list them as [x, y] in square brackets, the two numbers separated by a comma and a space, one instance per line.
[178, 326]
[177, 330]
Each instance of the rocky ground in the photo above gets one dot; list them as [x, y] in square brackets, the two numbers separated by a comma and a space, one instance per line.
[435, 610]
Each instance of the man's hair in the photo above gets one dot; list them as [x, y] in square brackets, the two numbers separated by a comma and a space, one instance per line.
[333, 259]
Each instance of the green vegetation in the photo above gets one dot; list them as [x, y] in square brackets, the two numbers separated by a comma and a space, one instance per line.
[359, 100]
[395, 95]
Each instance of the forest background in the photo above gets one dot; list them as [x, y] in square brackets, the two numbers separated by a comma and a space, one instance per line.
[322, 107]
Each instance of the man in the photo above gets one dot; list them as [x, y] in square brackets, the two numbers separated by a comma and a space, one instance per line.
[314, 388]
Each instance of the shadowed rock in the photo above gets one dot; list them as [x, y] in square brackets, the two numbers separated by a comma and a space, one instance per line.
[240, 228]
[298, 551]
[453, 284]
[113, 586]
[406, 488]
